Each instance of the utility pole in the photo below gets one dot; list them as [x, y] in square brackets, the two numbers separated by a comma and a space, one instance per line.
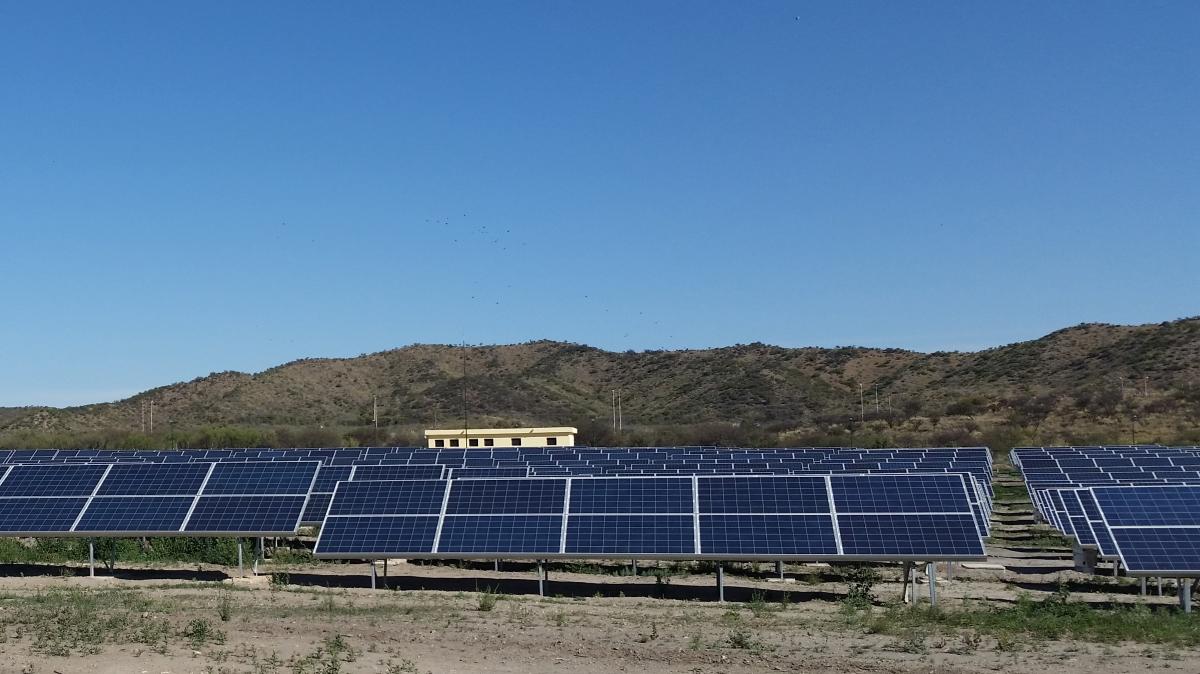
[375, 411]
[614, 410]
[877, 399]
[620, 414]
[862, 407]
[151, 416]
[143, 405]
[1146, 387]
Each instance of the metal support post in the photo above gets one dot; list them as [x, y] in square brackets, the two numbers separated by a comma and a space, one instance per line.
[385, 572]
[1159, 583]
[91, 558]
[720, 583]
[1142, 587]
[1116, 567]
[541, 579]
[635, 567]
[1185, 595]
[949, 570]
[779, 569]
[241, 567]
[932, 573]
[113, 558]
[372, 574]
[906, 591]
[496, 565]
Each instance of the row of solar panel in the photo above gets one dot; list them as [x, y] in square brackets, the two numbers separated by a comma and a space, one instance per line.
[250, 499]
[328, 476]
[752, 517]
[1134, 507]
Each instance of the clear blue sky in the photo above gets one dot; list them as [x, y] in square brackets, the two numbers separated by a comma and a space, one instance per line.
[194, 187]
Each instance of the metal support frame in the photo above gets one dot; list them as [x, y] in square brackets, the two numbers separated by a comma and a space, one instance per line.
[112, 559]
[1159, 579]
[720, 583]
[1185, 595]
[906, 583]
[541, 571]
[373, 574]
[496, 565]
[635, 567]
[91, 558]
[241, 567]
[931, 571]
[949, 570]
[779, 569]
[385, 573]
[1142, 587]
[1116, 567]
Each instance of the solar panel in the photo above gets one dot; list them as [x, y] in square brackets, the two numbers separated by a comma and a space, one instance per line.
[240, 515]
[261, 478]
[749, 495]
[140, 515]
[52, 480]
[507, 534]
[39, 515]
[398, 472]
[631, 495]
[378, 536]
[913, 535]
[899, 494]
[407, 497]
[631, 534]
[141, 479]
[507, 496]
[768, 535]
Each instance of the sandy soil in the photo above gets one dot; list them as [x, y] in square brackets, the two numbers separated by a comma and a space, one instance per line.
[429, 620]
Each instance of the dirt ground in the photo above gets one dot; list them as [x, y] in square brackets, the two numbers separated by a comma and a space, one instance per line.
[326, 619]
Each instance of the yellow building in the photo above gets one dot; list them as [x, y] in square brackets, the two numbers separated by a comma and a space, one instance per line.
[557, 436]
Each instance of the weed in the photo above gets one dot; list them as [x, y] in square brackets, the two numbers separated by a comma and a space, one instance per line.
[740, 637]
[280, 580]
[860, 580]
[200, 632]
[653, 635]
[225, 607]
[487, 599]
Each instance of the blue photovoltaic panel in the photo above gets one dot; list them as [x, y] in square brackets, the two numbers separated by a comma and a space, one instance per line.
[154, 479]
[249, 515]
[507, 471]
[397, 472]
[393, 497]
[52, 480]
[149, 514]
[316, 509]
[381, 536]
[627, 495]
[279, 477]
[801, 535]
[501, 534]
[899, 494]
[749, 495]
[38, 515]
[630, 534]
[329, 476]
[1082, 531]
[924, 536]
[506, 496]
[1160, 552]
[1149, 506]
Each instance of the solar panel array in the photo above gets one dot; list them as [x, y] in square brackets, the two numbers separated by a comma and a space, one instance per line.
[1139, 504]
[146, 499]
[754, 517]
[975, 462]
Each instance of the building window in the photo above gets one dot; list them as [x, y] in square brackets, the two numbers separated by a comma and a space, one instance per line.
[488, 442]
[550, 442]
[439, 443]
[454, 442]
[474, 442]
[516, 442]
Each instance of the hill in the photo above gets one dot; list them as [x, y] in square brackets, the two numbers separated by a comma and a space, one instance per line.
[1076, 376]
